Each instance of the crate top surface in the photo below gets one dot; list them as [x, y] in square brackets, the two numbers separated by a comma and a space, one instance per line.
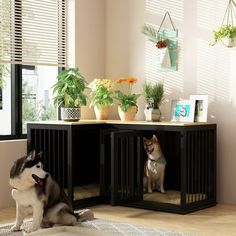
[119, 122]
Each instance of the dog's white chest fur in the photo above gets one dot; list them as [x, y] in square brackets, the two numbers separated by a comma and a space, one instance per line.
[25, 198]
[155, 169]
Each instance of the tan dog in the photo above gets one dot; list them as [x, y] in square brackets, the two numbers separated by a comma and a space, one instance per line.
[154, 167]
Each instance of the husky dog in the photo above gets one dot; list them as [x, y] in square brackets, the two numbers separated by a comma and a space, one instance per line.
[35, 191]
[154, 167]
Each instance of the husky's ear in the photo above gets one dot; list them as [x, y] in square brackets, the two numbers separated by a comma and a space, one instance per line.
[40, 155]
[31, 155]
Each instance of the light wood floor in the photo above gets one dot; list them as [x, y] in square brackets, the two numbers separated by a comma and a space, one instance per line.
[214, 221]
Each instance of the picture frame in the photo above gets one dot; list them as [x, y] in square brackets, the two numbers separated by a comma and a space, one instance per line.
[182, 110]
[201, 107]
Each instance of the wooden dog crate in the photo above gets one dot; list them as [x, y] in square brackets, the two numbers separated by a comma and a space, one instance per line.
[98, 162]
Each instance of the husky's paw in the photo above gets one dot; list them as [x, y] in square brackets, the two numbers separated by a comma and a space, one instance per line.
[85, 215]
[15, 228]
[30, 229]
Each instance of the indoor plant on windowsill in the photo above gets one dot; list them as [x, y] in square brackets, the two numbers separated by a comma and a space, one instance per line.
[127, 107]
[70, 93]
[154, 95]
[101, 93]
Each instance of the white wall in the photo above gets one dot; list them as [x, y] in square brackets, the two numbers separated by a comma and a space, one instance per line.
[203, 69]
[10, 151]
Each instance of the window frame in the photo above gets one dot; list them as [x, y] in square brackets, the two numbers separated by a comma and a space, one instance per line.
[16, 94]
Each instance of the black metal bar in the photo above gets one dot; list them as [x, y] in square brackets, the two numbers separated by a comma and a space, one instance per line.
[70, 180]
[139, 168]
[183, 169]
[114, 170]
[131, 166]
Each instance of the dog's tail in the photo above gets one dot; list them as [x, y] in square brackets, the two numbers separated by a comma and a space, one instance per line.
[84, 215]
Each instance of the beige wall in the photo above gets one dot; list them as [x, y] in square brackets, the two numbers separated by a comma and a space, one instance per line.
[90, 42]
[10, 151]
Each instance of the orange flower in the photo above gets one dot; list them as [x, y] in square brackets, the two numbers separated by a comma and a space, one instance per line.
[131, 80]
[120, 80]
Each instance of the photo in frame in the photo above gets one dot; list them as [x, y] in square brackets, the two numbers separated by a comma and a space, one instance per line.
[182, 110]
[201, 107]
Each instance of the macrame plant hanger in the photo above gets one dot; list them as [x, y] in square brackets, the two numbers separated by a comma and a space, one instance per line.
[229, 13]
[228, 20]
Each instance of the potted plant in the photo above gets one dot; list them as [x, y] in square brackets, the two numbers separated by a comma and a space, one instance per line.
[70, 95]
[226, 34]
[102, 97]
[127, 107]
[154, 95]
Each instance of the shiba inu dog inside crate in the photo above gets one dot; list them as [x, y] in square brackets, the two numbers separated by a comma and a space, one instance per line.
[154, 167]
[36, 192]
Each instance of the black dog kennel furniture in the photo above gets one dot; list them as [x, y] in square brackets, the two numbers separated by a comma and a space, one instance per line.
[102, 162]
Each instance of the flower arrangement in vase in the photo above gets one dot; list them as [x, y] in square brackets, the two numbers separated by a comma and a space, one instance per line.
[127, 107]
[102, 97]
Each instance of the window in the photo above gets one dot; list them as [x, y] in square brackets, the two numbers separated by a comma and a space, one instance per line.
[37, 93]
[32, 50]
[5, 101]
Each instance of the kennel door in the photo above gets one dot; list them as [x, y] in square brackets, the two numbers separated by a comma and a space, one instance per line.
[126, 166]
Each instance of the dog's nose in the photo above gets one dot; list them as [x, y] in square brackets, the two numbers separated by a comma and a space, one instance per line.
[47, 175]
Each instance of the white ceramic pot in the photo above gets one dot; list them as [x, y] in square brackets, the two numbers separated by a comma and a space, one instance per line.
[229, 42]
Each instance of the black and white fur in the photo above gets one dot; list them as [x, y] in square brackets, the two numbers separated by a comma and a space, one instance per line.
[35, 191]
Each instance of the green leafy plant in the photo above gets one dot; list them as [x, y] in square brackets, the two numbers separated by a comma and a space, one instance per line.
[126, 99]
[154, 36]
[33, 110]
[151, 33]
[228, 31]
[154, 91]
[70, 89]
[102, 92]
[4, 70]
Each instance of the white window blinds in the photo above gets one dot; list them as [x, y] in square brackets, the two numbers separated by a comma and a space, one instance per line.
[33, 32]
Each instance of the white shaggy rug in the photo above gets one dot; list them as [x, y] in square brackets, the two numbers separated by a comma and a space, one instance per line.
[91, 228]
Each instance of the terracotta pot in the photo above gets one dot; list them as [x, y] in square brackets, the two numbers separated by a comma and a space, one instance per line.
[102, 114]
[129, 115]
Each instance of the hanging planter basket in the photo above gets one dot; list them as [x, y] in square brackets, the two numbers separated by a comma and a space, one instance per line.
[227, 32]
[229, 42]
